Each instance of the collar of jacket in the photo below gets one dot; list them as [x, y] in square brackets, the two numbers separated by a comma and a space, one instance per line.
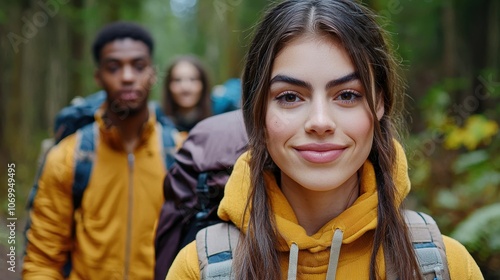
[111, 135]
[355, 221]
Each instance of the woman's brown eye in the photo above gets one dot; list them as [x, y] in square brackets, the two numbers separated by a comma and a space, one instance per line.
[290, 97]
[346, 96]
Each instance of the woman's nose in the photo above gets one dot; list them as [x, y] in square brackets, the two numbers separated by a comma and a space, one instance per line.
[320, 119]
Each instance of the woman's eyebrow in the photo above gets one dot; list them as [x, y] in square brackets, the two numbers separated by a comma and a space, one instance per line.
[342, 80]
[304, 84]
[290, 80]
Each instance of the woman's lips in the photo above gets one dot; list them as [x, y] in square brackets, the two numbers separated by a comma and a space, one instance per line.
[320, 153]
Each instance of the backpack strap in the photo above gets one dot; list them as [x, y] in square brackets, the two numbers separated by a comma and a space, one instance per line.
[32, 195]
[204, 214]
[84, 157]
[428, 245]
[86, 139]
[203, 192]
[167, 134]
[167, 148]
[215, 246]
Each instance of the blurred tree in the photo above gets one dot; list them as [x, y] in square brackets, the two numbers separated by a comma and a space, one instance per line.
[453, 148]
[45, 62]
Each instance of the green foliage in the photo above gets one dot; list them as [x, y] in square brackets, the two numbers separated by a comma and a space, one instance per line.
[479, 231]
[477, 129]
[3, 17]
[455, 170]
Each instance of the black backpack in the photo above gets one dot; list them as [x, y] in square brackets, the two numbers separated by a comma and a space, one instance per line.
[205, 213]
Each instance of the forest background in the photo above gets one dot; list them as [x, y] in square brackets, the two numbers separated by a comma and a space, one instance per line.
[450, 51]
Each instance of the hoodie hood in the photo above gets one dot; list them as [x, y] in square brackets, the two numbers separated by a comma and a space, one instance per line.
[354, 222]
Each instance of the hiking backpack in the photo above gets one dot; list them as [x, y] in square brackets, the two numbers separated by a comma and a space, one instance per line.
[81, 113]
[79, 118]
[205, 213]
[226, 97]
[194, 187]
[77, 115]
[215, 246]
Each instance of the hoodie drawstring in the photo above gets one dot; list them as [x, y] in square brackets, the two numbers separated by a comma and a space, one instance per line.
[332, 263]
[292, 262]
[334, 254]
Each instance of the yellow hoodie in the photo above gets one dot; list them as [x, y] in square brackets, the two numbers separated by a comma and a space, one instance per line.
[114, 227]
[357, 223]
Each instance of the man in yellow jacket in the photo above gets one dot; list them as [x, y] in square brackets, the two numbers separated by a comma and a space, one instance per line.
[110, 234]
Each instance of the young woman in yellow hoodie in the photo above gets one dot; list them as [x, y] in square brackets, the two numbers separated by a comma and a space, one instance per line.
[318, 195]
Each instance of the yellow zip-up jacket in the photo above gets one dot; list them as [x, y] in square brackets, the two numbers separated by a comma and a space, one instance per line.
[357, 224]
[114, 227]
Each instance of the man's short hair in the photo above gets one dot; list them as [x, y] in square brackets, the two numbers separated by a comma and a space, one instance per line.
[120, 30]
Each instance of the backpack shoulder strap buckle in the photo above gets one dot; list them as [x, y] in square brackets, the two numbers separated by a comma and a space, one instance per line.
[215, 246]
[428, 245]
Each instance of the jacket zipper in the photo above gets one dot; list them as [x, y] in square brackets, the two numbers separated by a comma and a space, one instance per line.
[130, 159]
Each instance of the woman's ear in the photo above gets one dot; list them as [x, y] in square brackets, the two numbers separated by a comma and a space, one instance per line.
[380, 110]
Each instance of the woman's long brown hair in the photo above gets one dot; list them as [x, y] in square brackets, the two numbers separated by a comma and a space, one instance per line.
[355, 27]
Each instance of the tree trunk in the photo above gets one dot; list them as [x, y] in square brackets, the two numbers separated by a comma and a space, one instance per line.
[449, 39]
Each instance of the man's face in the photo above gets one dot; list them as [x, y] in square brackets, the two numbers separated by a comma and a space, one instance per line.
[126, 74]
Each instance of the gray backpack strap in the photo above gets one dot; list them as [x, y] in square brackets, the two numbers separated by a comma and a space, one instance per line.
[428, 244]
[215, 245]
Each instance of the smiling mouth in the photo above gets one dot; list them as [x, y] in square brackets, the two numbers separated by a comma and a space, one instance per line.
[320, 153]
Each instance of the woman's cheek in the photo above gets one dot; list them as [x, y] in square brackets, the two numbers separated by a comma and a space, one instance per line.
[280, 122]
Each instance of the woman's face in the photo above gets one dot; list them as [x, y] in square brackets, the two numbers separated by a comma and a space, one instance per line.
[185, 85]
[319, 128]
